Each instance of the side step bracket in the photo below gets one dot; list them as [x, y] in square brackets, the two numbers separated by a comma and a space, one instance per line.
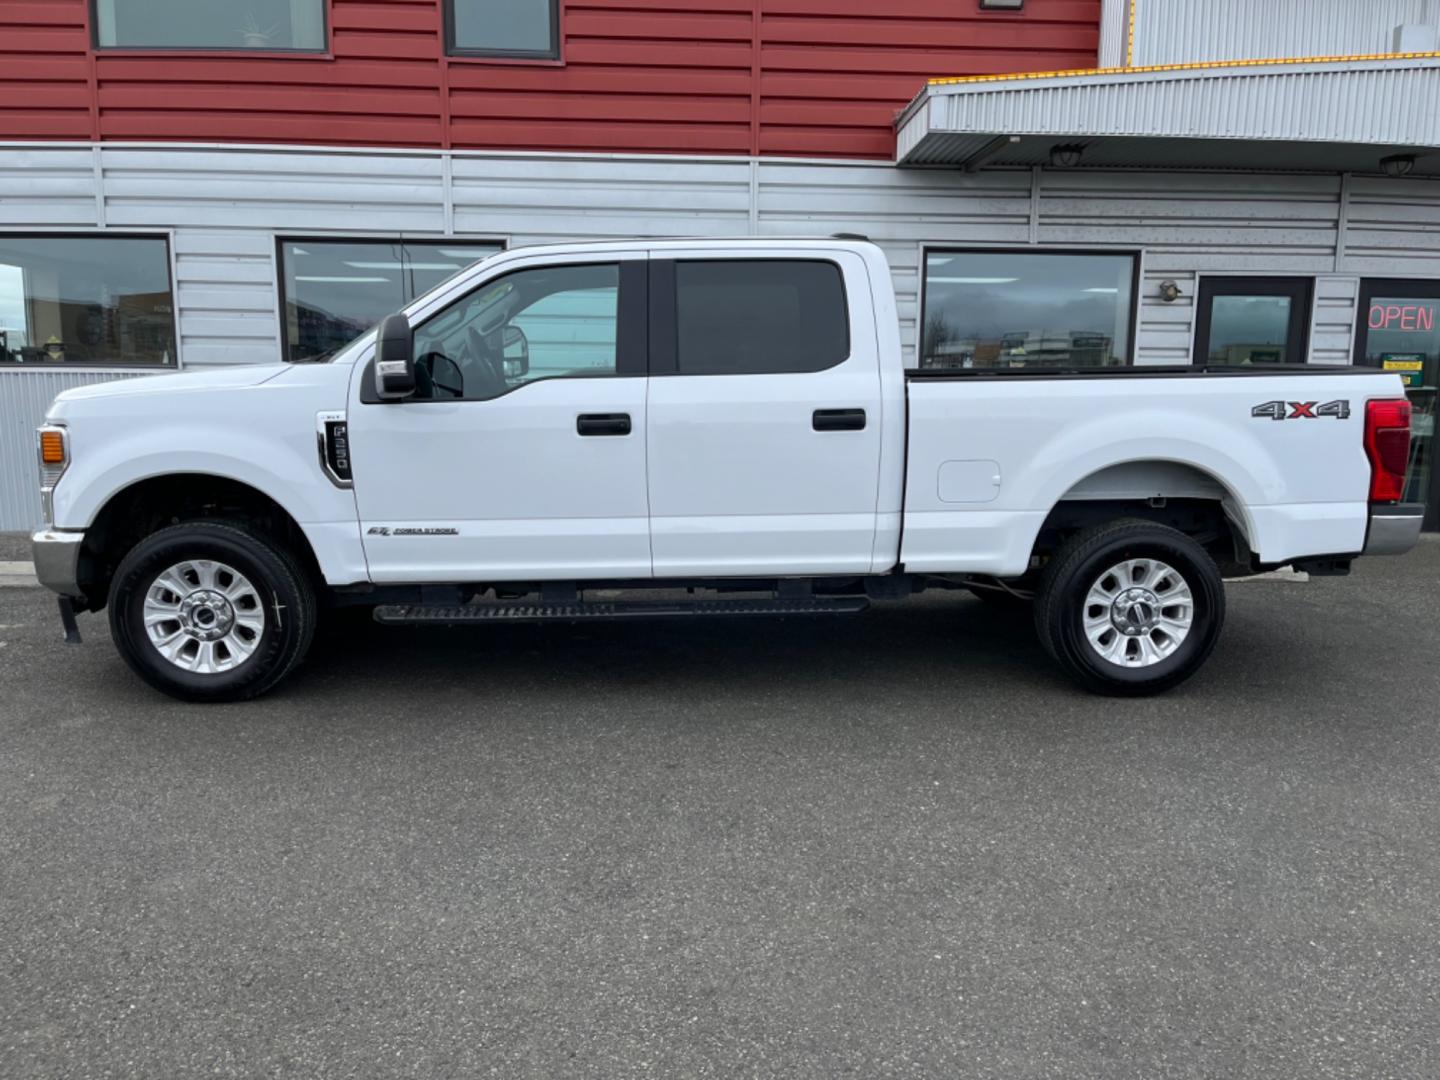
[587, 611]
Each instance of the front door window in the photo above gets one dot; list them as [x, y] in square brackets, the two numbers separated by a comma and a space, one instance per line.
[545, 323]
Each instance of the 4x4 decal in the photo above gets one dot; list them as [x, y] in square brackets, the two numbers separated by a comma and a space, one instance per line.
[1301, 410]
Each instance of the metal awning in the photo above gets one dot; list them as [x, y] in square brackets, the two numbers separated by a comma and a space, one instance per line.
[1341, 116]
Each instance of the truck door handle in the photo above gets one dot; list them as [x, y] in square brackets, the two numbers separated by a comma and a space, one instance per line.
[838, 420]
[603, 423]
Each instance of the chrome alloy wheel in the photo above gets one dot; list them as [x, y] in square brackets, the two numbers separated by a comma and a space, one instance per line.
[204, 616]
[1138, 612]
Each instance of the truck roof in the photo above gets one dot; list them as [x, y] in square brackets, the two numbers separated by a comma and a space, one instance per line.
[841, 242]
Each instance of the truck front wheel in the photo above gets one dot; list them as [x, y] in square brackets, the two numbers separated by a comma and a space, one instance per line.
[210, 611]
[1130, 607]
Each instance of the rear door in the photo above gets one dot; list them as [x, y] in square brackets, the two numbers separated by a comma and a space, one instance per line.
[763, 413]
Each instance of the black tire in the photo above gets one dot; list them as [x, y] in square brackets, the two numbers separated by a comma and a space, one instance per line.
[285, 591]
[1065, 584]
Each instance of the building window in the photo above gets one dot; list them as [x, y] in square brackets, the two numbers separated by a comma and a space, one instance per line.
[67, 299]
[1399, 331]
[523, 29]
[1263, 320]
[759, 316]
[261, 25]
[335, 290]
[1007, 310]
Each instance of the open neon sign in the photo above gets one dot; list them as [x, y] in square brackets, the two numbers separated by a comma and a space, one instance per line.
[1411, 317]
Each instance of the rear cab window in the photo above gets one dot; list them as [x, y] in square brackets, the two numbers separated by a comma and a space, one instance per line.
[759, 316]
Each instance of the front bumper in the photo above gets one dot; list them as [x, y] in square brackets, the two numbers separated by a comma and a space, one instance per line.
[57, 560]
[1394, 530]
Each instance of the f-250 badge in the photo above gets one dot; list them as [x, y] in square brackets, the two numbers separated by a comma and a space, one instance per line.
[1301, 410]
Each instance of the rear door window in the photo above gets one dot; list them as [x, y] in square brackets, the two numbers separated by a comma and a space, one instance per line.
[760, 316]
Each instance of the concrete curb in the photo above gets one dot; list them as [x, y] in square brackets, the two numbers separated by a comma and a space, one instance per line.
[18, 573]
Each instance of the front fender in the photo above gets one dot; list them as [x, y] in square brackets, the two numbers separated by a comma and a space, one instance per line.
[262, 436]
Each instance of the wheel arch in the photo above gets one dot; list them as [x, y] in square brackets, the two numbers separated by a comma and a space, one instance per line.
[1195, 499]
[143, 506]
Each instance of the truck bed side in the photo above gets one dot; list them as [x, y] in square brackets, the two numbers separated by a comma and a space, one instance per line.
[990, 456]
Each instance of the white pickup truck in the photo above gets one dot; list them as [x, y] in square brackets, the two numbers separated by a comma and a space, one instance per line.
[730, 421]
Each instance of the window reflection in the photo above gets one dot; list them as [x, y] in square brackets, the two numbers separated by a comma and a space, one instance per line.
[1249, 330]
[997, 309]
[85, 300]
[210, 24]
[335, 290]
[505, 27]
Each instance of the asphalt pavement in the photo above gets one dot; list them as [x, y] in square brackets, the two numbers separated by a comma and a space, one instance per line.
[897, 845]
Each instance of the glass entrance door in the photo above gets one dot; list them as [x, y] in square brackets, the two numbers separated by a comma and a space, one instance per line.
[1399, 331]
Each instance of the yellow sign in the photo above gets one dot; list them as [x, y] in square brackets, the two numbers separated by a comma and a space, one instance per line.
[1409, 366]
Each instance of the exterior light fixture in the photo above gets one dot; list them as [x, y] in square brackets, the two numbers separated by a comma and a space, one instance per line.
[1066, 157]
[1169, 291]
[1398, 164]
[1001, 5]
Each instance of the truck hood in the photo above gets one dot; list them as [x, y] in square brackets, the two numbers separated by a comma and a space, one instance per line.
[228, 378]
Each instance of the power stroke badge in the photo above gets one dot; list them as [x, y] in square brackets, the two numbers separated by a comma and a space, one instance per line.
[386, 530]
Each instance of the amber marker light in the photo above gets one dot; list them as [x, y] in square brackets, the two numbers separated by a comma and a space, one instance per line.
[52, 448]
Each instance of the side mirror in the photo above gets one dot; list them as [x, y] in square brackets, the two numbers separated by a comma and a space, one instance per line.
[517, 353]
[394, 359]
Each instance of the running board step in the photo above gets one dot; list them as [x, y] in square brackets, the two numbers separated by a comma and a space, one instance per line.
[585, 611]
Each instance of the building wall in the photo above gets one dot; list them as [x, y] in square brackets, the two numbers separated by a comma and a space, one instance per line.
[1187, 31]
[224, 208]
[811, 77]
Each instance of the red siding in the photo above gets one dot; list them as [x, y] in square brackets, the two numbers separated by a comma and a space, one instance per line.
[800, 77]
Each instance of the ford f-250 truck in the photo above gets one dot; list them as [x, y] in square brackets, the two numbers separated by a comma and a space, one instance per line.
[730, 421]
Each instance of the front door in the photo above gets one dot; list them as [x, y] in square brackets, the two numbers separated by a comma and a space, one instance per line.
[521, 455]
[764, 418]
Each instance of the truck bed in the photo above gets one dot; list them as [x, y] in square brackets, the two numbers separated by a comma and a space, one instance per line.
[990, 453]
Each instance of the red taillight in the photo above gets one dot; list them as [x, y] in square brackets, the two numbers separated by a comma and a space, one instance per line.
[1387, 443]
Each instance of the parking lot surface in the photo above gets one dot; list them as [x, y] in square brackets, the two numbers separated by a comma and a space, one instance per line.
[898, 845]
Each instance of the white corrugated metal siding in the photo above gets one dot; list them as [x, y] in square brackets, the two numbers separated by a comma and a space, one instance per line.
[1114, 32]
[542, 198]
[1185, 31]
[1393, 227]
[1391, 102]
[42, 187]
[1332, 323]
[224, 209]
[24, 397]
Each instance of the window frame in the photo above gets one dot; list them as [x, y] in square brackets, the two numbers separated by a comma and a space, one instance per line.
[631, 329]
[664, 350]
[168, 238]
[325, 49]
[1132, 318]
[1370, 287]
[281, 239]
[1418, 289]
[550, 55]
[1299, 288]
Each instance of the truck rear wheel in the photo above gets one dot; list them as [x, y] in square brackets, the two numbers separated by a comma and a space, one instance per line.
[1130, 607]
[210, 611]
